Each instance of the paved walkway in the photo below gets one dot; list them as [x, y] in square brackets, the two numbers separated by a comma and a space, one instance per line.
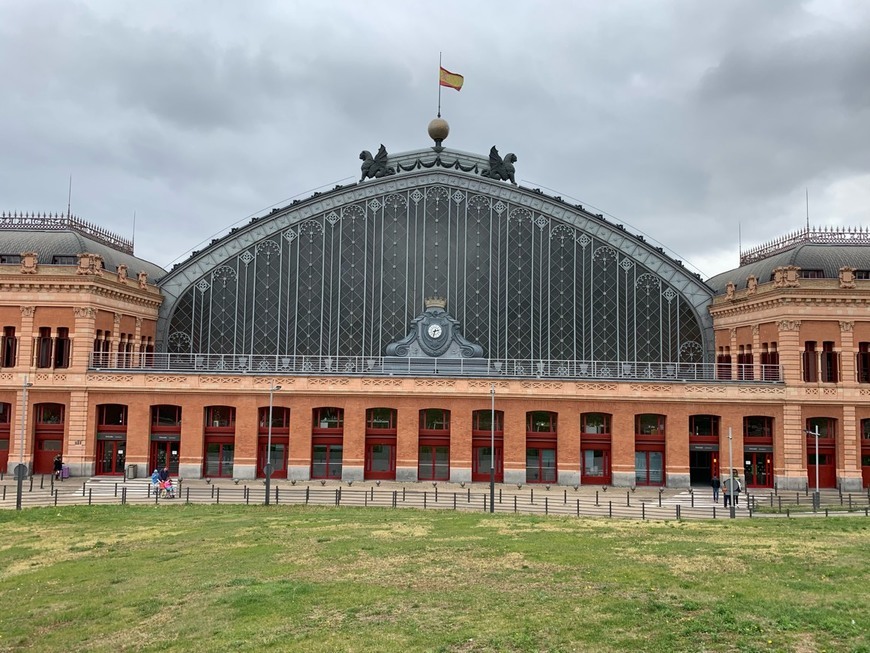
[586, 501]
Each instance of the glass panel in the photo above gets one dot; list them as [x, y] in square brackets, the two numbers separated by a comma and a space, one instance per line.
[484, 458]
[442, 463]
[4, 445]
[319, 460]
[548, 465]
[640, 472]
[656, 467]
[276, 457]
[593, 462]
[334, 467]
[865, 460]
[119, 457]
[212, 459]
[227, 457]
[533, 459]
[50, 445]
[106, 460]
[380, 456]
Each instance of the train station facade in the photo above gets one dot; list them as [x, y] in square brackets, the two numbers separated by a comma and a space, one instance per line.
[428, 322]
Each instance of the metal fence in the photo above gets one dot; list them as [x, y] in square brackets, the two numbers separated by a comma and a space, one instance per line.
[407, 366]
[557, 501]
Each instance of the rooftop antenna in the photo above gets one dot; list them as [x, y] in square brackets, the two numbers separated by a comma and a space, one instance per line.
[133, 240]
[807, 191]
[69, 198]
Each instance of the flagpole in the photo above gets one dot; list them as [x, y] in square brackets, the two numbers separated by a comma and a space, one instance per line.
[439, 84]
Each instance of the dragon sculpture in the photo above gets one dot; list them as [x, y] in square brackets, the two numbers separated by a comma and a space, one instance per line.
[501, 169]
[375, 167]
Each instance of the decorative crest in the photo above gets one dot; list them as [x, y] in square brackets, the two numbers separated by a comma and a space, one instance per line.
[435, 302]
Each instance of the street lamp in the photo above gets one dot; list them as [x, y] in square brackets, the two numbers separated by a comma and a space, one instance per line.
[730, 475]
[21, 470]
[268, 467]
[492, 448]
[816, 495]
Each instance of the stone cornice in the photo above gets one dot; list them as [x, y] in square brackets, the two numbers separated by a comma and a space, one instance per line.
[791, 298]
[70, 285]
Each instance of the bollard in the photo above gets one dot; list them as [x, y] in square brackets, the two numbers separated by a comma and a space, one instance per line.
[424, 501]
[826, 512]
[643, 511]
[787, 513]
[218, 495]
[247, 495]
[578, 507]
[532, 496]
[771, 500]
[677, 512]
[454, 500]
[212, 491]
[116, 490]
[339, 495]
[780, 504]
[714, 512]
[4, 493]
[850, 502]
[336, 497]
[403, 494]
[31, 483]
[469, 495]
[276, 495]
[124, 496]
[42, 482]
[596, 498]
[692, 495]
[610, 508]
[187, 497]
[55, 499]
[366, 499]
[566, 498]
[83, 488]
[628, 499]
[660, 499]
[546, 505]
[515, 503]
[395, 497]
[798, 497]
[499, 495]
[156, 497]
[307, 492]
[373, 493]
[90, 496]
[483, 496]
[436, 494]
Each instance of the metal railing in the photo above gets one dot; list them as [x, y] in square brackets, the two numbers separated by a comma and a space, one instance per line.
[583, 501]
[406, 366]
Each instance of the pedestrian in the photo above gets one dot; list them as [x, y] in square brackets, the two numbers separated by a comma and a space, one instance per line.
[730, 486]
[716, 484]
[164, 474]
[738, 488]
[155, 480]
[58, 467]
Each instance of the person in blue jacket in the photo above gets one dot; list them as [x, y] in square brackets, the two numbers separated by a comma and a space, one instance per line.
[155, 480]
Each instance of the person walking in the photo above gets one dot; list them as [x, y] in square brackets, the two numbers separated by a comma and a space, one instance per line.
[730, 485]
[716, 484]
[58, 467]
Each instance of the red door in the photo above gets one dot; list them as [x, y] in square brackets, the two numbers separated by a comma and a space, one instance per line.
[165, 454]
[46, 450]
[596, 465]
[110, 457]
[380, 461]
[278, 458]
[4, 454]
[480, 463]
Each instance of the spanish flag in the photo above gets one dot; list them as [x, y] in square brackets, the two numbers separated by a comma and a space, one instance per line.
[451, 80]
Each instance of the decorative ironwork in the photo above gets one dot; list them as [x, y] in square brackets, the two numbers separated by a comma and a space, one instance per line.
[64, 222]
[808, 235]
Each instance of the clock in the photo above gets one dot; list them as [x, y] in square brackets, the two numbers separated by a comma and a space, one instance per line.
[434, 331]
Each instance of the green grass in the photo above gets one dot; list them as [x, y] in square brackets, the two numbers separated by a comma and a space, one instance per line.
[231, 578]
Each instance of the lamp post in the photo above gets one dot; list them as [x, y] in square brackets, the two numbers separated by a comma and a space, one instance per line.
[20, 469]
[268, 467]
[816, 496]
[492, 448]
[730, 475]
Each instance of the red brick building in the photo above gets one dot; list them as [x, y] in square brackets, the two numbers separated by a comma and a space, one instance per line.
[399, 327]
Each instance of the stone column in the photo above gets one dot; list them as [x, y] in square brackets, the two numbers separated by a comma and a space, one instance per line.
[756, 352]
[82, 338]
[622, 448]
[25, 340]
[79, 450]
[514, 450]
[300, 452]
[790, 350]
[461, 422]
[847, 353]
[245, 448]
[115, 341]
[734, 354]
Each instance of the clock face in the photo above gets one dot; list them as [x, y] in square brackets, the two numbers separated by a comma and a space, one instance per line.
[434, 330]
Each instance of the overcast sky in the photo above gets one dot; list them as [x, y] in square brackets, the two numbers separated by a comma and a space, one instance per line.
[680, 119]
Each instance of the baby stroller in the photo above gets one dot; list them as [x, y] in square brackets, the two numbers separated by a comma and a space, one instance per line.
[167, 490]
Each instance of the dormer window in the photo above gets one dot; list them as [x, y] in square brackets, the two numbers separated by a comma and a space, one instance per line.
[64, 260]
[10, 258]
[812, 274]
[862, 274]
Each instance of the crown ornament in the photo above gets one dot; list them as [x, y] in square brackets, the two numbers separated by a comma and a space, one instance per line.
[435, 302]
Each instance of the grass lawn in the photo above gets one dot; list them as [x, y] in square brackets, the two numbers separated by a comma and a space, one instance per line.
[234, 578]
